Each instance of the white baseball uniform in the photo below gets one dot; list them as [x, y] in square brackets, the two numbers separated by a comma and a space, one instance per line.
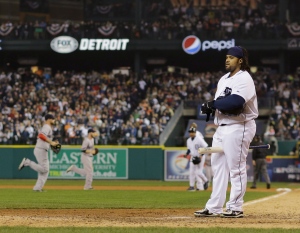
[41, 155]
[199, 134]
[196, 170]
[87, 161]
[207, 167]
[234, 135]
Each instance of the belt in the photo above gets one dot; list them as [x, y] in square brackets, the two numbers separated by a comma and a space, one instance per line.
[223, 125]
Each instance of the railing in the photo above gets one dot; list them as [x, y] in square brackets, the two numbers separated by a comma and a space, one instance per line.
[171, 125]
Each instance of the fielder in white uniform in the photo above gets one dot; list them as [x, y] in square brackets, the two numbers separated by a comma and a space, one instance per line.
[196, 170]
[235, 93]
[41, 153]
[88, 150]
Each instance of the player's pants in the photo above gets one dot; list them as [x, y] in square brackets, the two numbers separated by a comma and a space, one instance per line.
[261, 167]
[42, 167]
[87, 170]
[208, 172]
[196, 174]
[235, 140]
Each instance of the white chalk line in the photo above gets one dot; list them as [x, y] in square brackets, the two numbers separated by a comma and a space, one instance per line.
[285, 191]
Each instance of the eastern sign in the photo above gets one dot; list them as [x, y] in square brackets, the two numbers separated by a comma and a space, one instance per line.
[108, 164]
[192, 44]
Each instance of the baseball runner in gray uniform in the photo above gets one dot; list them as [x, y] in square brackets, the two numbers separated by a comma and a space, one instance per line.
[88, 151]
[41, 153]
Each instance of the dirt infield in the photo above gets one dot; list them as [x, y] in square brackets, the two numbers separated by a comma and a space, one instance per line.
[280, 211]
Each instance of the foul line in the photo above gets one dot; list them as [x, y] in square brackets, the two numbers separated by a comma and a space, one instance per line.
[285, 191]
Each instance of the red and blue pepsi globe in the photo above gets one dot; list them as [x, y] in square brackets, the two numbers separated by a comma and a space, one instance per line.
[191, 44]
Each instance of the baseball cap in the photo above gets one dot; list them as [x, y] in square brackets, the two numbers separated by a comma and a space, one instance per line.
[236, 51]
[49, 116]
[91, 131]
[192, 130]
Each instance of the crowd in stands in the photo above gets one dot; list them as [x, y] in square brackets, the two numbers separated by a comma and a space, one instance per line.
[124, 109]
[115, 105]
[168, 20]
[284, 122]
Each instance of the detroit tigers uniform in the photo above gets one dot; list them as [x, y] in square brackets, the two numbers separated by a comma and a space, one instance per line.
[196, 170]
[199, 134]
[87, 161]
[234, 134]
[41, 155]
[207, 167]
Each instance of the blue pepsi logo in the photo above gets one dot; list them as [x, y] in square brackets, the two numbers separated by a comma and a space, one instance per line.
[191, 45]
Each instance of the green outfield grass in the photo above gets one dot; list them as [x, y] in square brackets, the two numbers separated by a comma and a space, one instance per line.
[56, 198]
[78, 199]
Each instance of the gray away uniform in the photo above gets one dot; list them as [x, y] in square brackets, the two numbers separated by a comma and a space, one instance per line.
[87, 161]
[41, 155]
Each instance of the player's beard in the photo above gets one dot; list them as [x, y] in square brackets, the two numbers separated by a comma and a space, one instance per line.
[231, 68]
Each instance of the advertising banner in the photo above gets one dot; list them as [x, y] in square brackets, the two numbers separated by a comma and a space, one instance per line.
[177, 167]
[108, 164]
[283, 170]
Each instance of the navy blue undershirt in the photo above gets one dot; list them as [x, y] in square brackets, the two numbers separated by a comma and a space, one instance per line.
[230, 102]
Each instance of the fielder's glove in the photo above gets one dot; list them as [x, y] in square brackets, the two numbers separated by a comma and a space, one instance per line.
[96, 151]
[56, 149]
[208, 109]
[196, 160]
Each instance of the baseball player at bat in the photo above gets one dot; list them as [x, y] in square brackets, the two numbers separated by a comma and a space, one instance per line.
[196, 161]
[88, 152]
[41, 153]
[235, 108]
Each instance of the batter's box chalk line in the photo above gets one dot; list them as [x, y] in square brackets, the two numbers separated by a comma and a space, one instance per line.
[283, 191]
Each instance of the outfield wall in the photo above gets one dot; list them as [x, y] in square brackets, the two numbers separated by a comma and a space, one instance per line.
[131, 162]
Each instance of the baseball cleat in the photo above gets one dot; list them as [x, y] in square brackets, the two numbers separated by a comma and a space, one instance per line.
[91, 188]
[39, 190]
[22, 164]
[70, 168]
[205, 185]
[191, 189]
[232, 214]
[205, 213]
[268, 186]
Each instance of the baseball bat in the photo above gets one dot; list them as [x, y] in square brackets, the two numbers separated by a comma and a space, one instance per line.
[207, 150]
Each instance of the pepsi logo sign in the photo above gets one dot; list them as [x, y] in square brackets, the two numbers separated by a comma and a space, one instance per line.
[64, 44]
[191, 45]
